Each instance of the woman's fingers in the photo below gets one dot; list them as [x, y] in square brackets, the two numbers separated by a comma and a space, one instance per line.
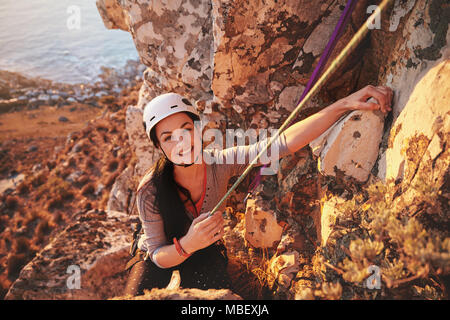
[215, 225]
[201, 217]
[388, 94]
[207, 224]
[367, 105]
[379, 95]
[382, 94]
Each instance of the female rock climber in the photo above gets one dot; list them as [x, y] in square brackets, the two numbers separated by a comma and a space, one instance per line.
[175, 197]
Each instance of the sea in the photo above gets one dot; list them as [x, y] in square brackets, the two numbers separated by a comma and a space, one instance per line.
[61, 40]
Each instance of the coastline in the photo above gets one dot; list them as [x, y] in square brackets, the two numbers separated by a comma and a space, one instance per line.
[19, 91]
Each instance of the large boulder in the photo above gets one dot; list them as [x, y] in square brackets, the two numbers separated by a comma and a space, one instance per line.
[350, 145]
[417, 150]
[93, 248]
[261, 227]
[417, 42]
[421, 130]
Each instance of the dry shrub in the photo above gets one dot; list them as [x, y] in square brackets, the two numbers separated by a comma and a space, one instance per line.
[103, 203]
[86, 132]
[15, 263]
[113, 129]
[86, 151]
[21, 245]
[11, 202]
[51, 165]
[244, 282]
[58, 186]
[72, 162]
[102, 127]
[3, 222]
[58, 218]
[43, 230]
[86, 164]
[23, 188]
[39, 180]
[57, 191]
[81, 181]
[31, 219]
[65, 173]
[112, 165]
[88, 189]
[87, 206]
[111, 178]
[107, 100]
[404, 238]
[55, 203]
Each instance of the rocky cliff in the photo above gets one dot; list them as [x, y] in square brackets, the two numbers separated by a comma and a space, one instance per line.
[362, 212]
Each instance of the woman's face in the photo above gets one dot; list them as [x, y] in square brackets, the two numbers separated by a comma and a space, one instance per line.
[179, 138]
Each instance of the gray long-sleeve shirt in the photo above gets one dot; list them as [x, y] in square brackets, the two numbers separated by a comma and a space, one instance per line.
[221, 165]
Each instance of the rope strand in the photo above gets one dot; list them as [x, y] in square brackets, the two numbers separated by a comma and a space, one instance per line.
[325, 76]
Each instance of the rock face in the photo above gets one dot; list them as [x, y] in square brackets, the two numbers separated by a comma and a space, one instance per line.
[350, 145]
[142, 147]
[420, 38]
[246, 64]
[262, 229]
[250, 65]
[173, 39]
[93, 247]
[285, 267]
[420, 130]
[119, 196]
[201, 47]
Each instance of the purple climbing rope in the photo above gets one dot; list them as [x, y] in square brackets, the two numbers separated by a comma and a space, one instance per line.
[337, 33]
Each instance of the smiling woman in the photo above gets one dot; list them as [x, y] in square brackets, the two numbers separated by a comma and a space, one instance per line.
[175, 198]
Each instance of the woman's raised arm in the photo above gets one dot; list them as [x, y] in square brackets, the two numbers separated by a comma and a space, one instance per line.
[303, 132]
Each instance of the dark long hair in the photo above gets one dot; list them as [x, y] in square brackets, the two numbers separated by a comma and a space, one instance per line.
[167, 200]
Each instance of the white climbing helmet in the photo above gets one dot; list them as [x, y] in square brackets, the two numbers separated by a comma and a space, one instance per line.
[163, 106]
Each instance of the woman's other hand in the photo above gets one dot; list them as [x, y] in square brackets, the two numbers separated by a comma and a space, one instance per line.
[203, 232]
[358, 100]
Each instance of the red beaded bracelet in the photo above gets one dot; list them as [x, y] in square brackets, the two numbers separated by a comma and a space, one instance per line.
[180, 250]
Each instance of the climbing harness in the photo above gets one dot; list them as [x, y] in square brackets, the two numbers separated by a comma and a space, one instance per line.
[360, 34]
